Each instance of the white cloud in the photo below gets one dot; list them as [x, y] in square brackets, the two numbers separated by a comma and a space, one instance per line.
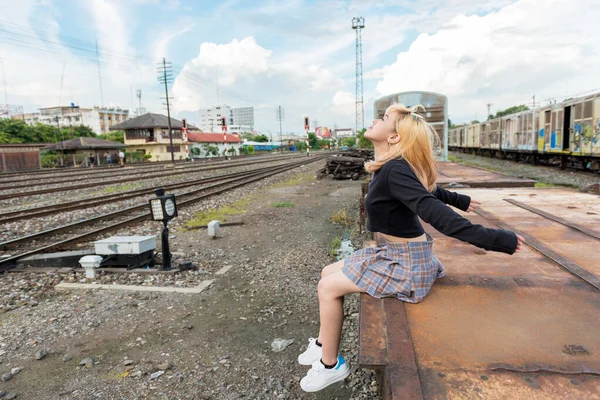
[248, 76]
[161, 45]
[503, 57]
[343, 103]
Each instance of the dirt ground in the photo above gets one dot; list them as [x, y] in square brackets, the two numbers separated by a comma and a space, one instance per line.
[211, 345]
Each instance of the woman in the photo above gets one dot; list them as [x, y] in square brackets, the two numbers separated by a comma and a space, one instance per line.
[403, 265]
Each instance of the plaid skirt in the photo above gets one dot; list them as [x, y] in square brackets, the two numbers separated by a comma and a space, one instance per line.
[405, 270]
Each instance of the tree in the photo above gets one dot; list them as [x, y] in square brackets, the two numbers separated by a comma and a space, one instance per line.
[115, 136]
[261, 138]
[362, 141]
[349, 141]
[508, 111]
[210, 149]
[475, 122]
[301, 146]
[196, 151]
[250, 149]
[247, 136]
[312, 140]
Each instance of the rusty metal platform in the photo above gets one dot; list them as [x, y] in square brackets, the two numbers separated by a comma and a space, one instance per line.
[453, 173]
[497, 326]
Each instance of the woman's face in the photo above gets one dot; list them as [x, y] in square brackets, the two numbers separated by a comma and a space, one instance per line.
[381, 129]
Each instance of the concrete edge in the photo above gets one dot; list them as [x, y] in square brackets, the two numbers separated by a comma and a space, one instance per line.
[164, 289]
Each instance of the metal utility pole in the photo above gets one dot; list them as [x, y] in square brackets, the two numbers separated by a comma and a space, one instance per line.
[165, 75]
[280, 116]
[489, 106]
[358, 23]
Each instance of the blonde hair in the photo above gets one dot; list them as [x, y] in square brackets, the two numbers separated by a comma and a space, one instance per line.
[417, 138]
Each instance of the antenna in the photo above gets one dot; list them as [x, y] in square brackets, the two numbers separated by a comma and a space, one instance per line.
[358, 23]
[99, 74]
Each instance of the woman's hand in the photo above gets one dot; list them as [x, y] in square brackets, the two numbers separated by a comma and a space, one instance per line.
[520, 243]
[474, 204]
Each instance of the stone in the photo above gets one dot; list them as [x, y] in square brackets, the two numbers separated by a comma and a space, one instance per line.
[156, 374]
[136, 374]
[278, 345]
[88, 362]
[164, 366]
[67, 357]
[128, 362]
[11, 396]
[6, 377]
[16, 370]
[41, 354]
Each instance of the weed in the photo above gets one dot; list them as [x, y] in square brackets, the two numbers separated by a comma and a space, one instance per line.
[282, 204]
[296, 180]
[340, 217]
[119, 188]
[222, 213]
[334, 246]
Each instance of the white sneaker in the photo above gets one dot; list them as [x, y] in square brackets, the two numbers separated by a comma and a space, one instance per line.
[319, 377]
[313, 353]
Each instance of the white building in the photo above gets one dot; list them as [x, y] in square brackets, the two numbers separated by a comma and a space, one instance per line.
[238, 119]
[243, 116]
[99, 119]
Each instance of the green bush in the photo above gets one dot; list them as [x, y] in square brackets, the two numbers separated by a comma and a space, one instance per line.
[49, 160]
[250, 149]
[147, 156]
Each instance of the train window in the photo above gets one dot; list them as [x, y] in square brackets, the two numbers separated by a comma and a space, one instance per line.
[578, 110]
[587, 109]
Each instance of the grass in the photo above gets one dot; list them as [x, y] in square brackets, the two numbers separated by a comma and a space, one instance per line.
[541, 184]
[334, 246]
[222, 213]
[296, 180]
[283, 204]
[544, 185]
[119, 188]
[341, 218]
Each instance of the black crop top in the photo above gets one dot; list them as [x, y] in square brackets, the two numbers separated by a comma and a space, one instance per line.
[396, 199]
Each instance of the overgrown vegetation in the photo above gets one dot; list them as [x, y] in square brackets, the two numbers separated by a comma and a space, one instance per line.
[296, 180]
[341, 218]
[119, 188]
[334, 246]
[223, 214]
[283, 204]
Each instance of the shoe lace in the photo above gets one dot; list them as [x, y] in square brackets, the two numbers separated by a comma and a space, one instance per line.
[316, 369]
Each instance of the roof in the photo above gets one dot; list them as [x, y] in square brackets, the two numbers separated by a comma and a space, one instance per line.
[84, 143]
[38, 145]
[149, 121]
[204, 137]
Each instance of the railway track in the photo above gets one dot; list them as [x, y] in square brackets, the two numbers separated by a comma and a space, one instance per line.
[89, 173]
[130, 215]
[180, 171]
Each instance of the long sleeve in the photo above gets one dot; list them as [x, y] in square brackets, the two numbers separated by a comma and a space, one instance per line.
[457, 200]
[405, 187]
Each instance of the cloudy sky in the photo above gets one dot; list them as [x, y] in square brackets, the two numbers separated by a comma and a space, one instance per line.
[299, 54]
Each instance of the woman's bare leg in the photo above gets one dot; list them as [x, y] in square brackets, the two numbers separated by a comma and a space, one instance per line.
[332, 290]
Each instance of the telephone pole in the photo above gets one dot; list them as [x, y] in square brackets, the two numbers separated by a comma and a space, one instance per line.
[489, 106]
[280, 116]
[165, 75]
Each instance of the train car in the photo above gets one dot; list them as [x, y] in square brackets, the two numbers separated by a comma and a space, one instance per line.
[436, 114]
[566, 133]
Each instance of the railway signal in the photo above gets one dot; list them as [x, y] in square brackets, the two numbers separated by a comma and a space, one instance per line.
[224, 128]
[306, 128]
[164, 208]
[184, 132]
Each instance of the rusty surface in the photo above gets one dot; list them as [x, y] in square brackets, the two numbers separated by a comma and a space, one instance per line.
[372, 343]
[511, 327]
[544, 214]
[475, 177]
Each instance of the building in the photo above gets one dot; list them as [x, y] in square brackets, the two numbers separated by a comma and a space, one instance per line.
[20, 157]
[99, 119]
[243, 117]
[237, 119]
[343, 133]
[199, 142]
[76, 152]
[149, 134]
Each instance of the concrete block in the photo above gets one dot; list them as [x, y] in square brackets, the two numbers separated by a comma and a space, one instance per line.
[213, 229]
[64, 259]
